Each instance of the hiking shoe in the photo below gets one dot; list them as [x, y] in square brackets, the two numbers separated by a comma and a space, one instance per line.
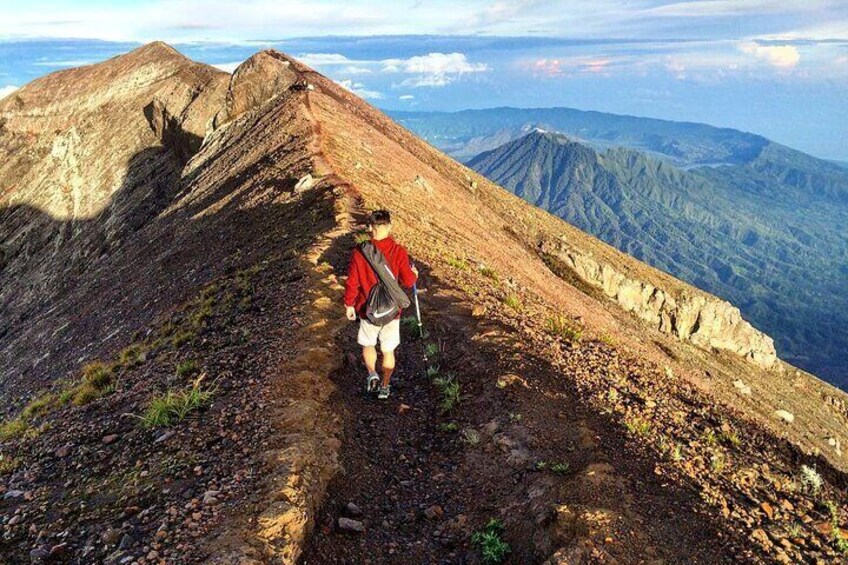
[372, 383]
[384, 393]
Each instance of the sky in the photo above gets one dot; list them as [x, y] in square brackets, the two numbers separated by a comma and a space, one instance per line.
[774, 67]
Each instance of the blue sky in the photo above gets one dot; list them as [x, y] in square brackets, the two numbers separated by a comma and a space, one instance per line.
[778, 68]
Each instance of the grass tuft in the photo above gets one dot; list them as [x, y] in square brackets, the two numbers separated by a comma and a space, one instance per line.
[489, 273]
[471, 436]
[132, 355]
[13, 429]
[560, 468]
[450, 396]
[187, 368]
[489, 540]
[638, 426]
[513, 302]
[449, 427]
[39, 406]
[458, 263]
[560, 326]
[175, 405]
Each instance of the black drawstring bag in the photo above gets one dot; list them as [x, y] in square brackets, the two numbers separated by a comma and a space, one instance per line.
[386, 299]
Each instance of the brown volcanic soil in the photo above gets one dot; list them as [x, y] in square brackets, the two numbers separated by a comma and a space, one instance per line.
[242, 258]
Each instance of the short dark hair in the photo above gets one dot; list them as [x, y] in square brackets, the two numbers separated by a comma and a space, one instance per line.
[380, 218]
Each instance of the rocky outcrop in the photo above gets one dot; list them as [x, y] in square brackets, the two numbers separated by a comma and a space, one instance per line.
[259, 79]
[702, 319]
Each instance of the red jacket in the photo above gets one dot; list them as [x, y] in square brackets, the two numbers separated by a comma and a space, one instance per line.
[361, 277]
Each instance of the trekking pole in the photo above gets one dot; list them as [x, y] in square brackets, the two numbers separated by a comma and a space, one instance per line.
[420, 324]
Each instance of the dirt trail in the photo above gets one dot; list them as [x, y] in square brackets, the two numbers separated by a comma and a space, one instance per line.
[556, 476]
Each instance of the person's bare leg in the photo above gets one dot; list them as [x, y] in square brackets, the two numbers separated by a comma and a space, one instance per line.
[369, 355]
[388, 366]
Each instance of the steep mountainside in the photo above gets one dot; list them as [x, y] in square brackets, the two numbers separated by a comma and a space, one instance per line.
[181, 386]
[776, 249]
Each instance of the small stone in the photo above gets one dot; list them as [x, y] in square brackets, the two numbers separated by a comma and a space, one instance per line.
[478, 311]
[305, 183]
[126, 542]
[16, 519]
[403, 408]
[210, 497]
[39, 554]
[353, 510]
[767, 508]
[63, 451]
[349, 525]
[434, 512]
[510, 379]
[111, 536]
[111, 438]
[785, 416]
[58, 550]
[13, 494]
[742, 387]
[762, 537]
[164, 437]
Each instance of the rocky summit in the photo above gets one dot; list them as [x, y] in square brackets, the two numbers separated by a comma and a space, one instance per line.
[180, 385]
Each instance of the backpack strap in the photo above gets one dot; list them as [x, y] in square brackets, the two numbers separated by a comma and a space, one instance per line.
[377, 261]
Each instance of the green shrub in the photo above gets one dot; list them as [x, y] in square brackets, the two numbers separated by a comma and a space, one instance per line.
[449, 427]
[174, 406]
[493, 549]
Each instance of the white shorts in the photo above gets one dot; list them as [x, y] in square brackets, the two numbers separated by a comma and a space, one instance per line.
[389, 335]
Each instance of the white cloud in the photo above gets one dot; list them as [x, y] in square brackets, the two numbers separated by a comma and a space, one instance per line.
[781, 56]
[7, 90]
[406, 97]
[432, 69]
[359, 89]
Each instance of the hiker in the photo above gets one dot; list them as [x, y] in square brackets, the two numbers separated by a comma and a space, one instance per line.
[362, 292]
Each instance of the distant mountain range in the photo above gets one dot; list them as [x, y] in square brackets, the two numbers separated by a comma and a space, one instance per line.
[750, 220]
